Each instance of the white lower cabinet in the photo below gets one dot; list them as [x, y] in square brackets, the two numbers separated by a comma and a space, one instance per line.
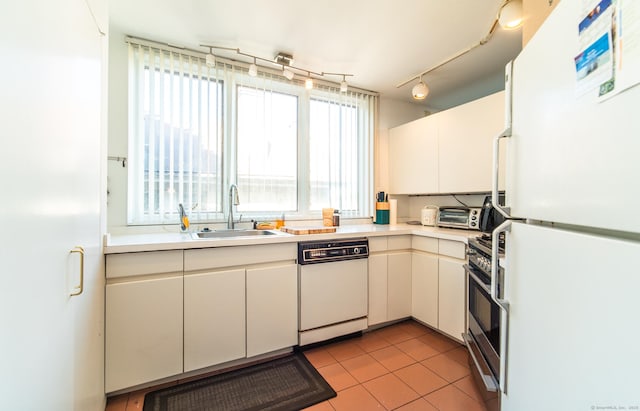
[143, 318]
[399, 286]
[389, 278]
[424, 288]
[452, 297]
[214, 318]
[170, 312]
[272, 308]
[438, 291]
[377, 289]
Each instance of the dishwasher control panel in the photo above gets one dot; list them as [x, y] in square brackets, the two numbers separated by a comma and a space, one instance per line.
[313, 252]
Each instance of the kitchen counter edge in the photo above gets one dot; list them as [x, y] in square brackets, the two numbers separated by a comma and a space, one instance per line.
[130, 243]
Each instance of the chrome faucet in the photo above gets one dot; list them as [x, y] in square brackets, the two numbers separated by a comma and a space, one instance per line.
[233, 200]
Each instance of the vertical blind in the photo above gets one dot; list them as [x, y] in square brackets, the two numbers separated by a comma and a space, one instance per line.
[196, 129]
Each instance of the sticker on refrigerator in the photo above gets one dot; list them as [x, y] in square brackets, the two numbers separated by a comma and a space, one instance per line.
[594, 63]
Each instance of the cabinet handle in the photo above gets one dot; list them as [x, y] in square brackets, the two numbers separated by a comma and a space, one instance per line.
[80, 287]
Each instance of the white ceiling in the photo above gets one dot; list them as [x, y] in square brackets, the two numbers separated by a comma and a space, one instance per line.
[381, 42]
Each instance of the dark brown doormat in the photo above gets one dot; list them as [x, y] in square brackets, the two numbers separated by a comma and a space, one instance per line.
[284, 384]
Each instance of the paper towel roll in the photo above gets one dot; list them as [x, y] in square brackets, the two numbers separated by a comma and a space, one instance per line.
[393, 211]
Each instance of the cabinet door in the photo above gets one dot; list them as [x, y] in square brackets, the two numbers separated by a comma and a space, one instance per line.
[143, 331]
[413, 157]
[424, 288]
[272, 309]
[465, 140]
[377, 289]
[452, 297]
[399, 286]
[214, 318]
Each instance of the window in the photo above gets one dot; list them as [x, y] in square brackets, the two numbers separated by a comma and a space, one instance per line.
[194, 130]
[267, 150]
[175, 149]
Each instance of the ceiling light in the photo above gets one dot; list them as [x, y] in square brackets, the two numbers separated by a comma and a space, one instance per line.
[510, 16]
[287, 73]
[420, 90]
[253, 68]
[343, 85]
[308, 83]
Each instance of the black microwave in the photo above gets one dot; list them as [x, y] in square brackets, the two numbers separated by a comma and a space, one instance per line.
[490, 218]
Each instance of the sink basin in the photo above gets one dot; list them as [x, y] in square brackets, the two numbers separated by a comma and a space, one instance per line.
[231, 234]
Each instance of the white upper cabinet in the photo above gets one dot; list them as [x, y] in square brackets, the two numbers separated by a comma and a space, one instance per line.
[447, 152]
[413, 157]
[465, 144]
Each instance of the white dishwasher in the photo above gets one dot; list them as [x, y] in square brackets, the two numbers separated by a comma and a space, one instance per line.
[332, 288]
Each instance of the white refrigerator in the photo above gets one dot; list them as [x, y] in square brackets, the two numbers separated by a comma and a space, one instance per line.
[571, 293]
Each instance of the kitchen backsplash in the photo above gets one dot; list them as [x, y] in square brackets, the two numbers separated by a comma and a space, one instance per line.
[409, 206]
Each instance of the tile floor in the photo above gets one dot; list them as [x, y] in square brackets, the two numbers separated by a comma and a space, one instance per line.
[405, 366]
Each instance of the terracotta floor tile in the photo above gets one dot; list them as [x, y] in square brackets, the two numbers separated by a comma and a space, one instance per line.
[364, 367]
[117, 403]
[344, 350]
[421, 379]
[319, 357]
[372, 342]
[391, 391]
[460, 355]
[355, 398]
[392, 358]
[418, 349]
[445, 367]
[418, 405]
[449, 399]
[414, 329]
[337, 377]
[439, 342]
[321, 406]
[136, 401]
[394, 334]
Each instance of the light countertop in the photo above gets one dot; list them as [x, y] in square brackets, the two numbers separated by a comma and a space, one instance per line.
[127, 243]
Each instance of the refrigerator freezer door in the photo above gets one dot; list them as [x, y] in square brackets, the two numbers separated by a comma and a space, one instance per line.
[573, 321]
[571, 159]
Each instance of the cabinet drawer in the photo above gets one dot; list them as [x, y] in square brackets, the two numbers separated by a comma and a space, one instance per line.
[455, 249]
[399, 242]
[377, 244]
[133, 264]
[207, 258]
[427, 244]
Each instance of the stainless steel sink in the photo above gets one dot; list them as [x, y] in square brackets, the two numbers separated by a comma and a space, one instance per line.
[231, 233]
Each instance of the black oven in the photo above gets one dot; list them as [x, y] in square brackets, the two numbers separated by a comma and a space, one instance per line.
[484, 317]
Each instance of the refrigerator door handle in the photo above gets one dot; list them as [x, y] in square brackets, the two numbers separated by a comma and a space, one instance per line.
[496, 173]
[502, 303]
[508, 108]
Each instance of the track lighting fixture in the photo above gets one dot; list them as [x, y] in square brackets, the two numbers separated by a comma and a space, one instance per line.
[253, 68]
[308, 83]
[343, 85]
[210, 59]
[509, 17]
[283, 60]
[420, 90]
[287, 73]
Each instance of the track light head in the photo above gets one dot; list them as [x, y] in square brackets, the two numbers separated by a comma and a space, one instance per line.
[510, 16]
[420, 90]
